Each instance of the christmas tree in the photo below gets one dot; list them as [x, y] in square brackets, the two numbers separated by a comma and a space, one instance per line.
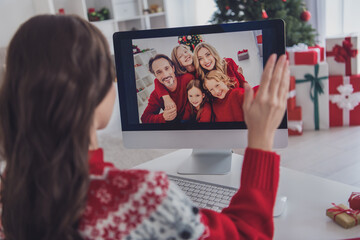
[190, 40]
[293, 12]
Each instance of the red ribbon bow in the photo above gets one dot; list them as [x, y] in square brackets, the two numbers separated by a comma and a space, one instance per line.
[344, 52]
[340, 210]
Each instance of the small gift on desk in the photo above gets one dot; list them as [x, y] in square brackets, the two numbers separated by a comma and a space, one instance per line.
[301, 54]
[342, 55]
[291, 102]
[344, 216]
[243, 55]
[354, 200]
[312, 94]
[344, 95]
[295, 123]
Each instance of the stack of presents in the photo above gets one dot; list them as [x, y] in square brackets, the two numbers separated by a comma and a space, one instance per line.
[325, 85]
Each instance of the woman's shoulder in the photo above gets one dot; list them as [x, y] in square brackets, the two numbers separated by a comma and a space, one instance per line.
[119, 195]
[115, 179]
[141, 200]
[229, 61]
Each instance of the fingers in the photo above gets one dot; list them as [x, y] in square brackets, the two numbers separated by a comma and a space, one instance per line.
[248, 98]
[170, 114]
[267, 73]
[277, 75]
[284, 85]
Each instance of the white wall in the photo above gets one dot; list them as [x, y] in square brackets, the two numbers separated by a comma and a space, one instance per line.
[12, 14]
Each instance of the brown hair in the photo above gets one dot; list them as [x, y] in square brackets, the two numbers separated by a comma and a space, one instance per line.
[219, 77]
[58, 70]
[220, 64]
[179, 69]
[156, 57]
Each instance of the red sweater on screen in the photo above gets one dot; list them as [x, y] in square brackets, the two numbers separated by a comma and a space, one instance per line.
[138, 204]
[204, 116]
[229, 109]
[232, 72]
[156, 103]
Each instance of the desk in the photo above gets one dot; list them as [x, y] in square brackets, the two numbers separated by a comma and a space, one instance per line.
[308, 198]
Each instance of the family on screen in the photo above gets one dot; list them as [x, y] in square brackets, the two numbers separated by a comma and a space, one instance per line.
[197, 86]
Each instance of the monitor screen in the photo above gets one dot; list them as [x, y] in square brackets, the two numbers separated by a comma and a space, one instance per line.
[183, 87]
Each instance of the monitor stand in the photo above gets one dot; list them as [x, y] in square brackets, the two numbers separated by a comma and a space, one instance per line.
[207, 162]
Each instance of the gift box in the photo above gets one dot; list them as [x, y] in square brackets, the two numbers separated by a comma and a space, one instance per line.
[259, 42]
[312, 94]
[291, 102]
[301, 54]
[344, 216]
[354, 201]
[321, 50]
[295, 123]
[344, 95]
[342, 55]
[243, 55]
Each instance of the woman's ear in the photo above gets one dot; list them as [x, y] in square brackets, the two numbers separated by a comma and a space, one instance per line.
[104, 110]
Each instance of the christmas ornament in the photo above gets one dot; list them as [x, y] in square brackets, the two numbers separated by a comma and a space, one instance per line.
[227, 7]
[264, 14]
[305, 15]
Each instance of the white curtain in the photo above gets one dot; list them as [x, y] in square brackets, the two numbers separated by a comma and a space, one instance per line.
[318, 18]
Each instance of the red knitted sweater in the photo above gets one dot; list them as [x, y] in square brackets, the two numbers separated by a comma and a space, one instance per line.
[138, 204]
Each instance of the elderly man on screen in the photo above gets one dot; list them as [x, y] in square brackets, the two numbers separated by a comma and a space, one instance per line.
[163, 69]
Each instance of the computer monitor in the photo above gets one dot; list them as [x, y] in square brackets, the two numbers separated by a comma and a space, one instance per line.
[246, 45]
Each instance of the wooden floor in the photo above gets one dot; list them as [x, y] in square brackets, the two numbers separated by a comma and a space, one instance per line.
[332, 154]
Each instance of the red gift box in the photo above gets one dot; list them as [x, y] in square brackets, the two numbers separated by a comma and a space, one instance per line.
[354, 200]
[291, 102]
[295, 124]
[243, 55]
[322, 51]
[344, 104]
[259, 39]
[306, 57]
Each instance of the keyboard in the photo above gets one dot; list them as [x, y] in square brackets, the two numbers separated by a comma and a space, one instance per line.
[205, 194]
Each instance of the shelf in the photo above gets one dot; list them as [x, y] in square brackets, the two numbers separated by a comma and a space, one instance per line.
[155, 14]
[130, 18]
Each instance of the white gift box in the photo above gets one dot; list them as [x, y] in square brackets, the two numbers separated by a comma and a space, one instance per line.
[312, 94]
[342, 55]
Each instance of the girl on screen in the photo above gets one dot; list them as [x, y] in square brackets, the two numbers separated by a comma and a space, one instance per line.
[227, 99]
[197, 109]
[56, 184]
[206, 59]
[182, 57]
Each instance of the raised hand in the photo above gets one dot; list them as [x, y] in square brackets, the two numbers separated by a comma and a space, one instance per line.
[264, 113]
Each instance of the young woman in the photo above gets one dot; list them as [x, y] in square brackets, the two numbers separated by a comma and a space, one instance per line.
[57, 91]
[227, 100]
[197, 109]
[206, 59]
